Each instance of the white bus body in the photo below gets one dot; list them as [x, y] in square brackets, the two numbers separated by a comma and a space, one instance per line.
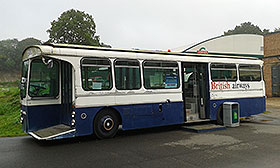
[71, 90]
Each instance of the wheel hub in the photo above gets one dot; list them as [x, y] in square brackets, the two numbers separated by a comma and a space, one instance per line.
[108, 124]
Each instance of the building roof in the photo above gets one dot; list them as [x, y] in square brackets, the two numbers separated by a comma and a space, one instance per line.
[233, 45]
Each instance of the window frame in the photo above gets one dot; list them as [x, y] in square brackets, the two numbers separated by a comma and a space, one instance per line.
[135, 60]
[58, 83]
[111, 73]
[260, 71]
[178, 75]
[24, 86]
[232, 80]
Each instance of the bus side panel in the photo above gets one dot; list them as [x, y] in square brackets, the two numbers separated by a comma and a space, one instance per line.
[39, 117]
[175, 113]
[248, 106]
[151, 115]
[134, 116]
[85, 126]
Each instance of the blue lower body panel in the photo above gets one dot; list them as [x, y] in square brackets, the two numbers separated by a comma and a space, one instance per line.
[39, 117]
[134, 116]
[248, 106]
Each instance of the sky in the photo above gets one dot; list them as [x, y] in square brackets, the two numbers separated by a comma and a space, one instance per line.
[141, 24]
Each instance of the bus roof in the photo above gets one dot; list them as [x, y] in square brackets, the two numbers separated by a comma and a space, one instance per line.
[50, 49]
[73, 53]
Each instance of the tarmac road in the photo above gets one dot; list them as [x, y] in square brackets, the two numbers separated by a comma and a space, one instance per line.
[256, 143]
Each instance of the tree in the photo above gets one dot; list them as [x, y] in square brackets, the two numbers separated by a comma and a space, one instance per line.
[277, 29]
[247, 28]
[75, 27]
[22, 45]
[8, 54]
[11, 51]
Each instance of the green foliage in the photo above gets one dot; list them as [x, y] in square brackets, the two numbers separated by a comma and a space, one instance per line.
[11, 51]
[247, 28]
[74, 27]
[9, 110]
[8, 54]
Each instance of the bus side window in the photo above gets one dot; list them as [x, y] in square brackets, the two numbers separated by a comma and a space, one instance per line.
[223, 72]
[250, 73]
[96, 74]
[161, 75]
[127, 74]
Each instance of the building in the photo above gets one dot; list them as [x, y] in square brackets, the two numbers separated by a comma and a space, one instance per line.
[266, 48]
[250, 45]
[272, 64]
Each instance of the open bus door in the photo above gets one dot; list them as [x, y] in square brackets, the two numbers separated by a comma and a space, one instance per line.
[195, 91]
[48, 104]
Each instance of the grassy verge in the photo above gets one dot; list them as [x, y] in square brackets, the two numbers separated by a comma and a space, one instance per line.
[10, 110]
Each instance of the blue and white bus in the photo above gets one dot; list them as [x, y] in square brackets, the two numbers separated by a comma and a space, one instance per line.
[73, 90]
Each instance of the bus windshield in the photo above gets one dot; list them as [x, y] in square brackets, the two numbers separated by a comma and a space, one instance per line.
[43, 80]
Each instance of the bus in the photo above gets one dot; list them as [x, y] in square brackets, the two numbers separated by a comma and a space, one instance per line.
[74, 90]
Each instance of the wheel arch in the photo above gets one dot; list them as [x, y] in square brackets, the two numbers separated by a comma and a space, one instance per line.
[219, 115]
[106, 115]
[110, 109]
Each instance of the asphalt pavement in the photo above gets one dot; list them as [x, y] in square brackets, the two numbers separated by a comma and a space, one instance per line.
[255, 143]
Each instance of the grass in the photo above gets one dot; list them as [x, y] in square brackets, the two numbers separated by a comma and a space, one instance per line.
[10, 110]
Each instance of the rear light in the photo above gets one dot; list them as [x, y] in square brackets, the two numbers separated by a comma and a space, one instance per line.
[73, 122]
[22, 116]
[73, 115]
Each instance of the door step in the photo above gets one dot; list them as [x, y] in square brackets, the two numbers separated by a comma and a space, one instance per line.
[203, 128]
[52, 132]
[202, 121]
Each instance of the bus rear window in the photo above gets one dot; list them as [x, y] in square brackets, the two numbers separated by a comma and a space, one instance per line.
[161, 75]
[223, 72]
[249, 73]
[96, 74]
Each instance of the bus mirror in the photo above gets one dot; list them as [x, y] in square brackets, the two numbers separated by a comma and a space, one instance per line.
[49, 62]
[22, 83]
[20, 86]
[23, 80]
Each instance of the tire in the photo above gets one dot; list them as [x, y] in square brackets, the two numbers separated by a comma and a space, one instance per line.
[220, 115]
[106, 124]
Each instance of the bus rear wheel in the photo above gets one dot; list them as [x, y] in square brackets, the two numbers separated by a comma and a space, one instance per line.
[220, 115]
[106, 124]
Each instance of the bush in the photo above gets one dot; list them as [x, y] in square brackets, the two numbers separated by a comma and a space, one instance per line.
[9, 110]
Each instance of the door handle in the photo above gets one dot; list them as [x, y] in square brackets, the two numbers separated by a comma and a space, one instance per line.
[201, 101]
[160, 107]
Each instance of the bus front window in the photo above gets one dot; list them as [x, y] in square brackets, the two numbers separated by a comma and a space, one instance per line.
[43, 80]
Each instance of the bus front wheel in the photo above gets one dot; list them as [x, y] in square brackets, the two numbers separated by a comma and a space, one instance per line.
[106, 124]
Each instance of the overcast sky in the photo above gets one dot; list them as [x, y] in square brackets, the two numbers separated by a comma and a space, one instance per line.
[143, 24]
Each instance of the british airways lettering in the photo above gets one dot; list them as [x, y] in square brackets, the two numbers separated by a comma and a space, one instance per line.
[241, 85]
[226, 85]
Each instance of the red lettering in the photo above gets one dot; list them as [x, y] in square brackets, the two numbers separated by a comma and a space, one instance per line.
[220, 85]
[213, 86]
[228, 85]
